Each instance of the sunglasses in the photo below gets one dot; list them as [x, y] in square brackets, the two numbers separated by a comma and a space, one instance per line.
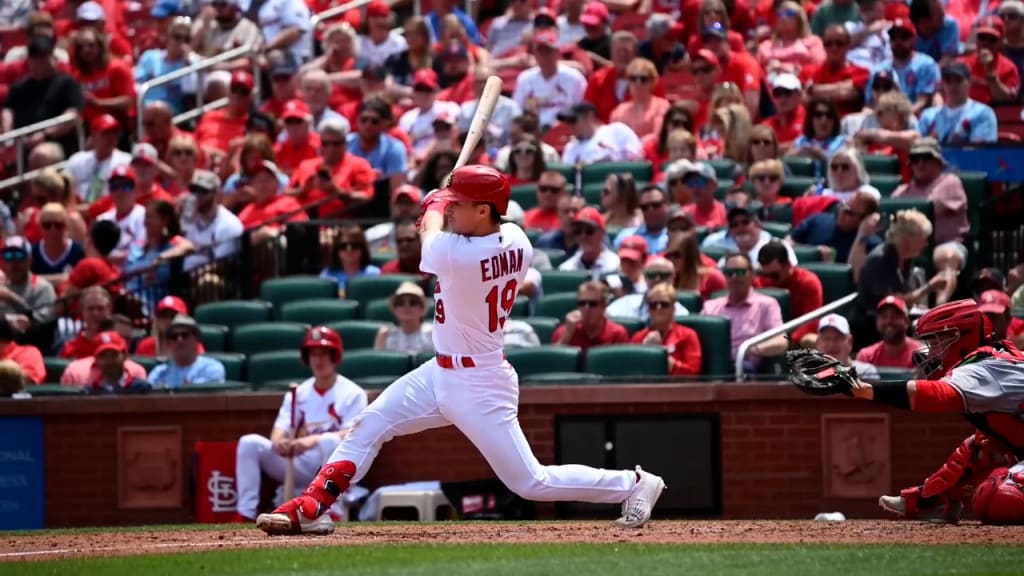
[240, 91]
[674, 255]
[640, 79]
[822, 114]
[761, 142]
[549, 189]
[918, 158]
[735, 272]
[834, 43]
[332, 143]
[588, 304]
[987, 38]
[15, 255]
[183, 152]
[676, 122]
[179, 335]
[674, 181]
[657, 275]
[525, 150]
[584, 230]
[701, 70]
[766, 177]
[199, 190]
[740, 223]
[52, 225]
[651, 206]
[181, 37]
[695, 181]
[659, 304]
[783, 92]
[351, 246]
[840, 167]
[372, 120]
[121, 186]
[407, 301]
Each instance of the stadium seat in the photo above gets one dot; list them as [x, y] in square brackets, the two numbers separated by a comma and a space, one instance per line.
[641, 171]
[714, 252]
[360, 365]
[356, 334]
[278, 365]
[147, 362]
[886, 183]
[559, 281]
[627, 360]
[55, 368]
[234, 313]
[556, 305]
[49, 390]
[422, 357]
[215, 388]
[725, 168]
[776, 229]
[533, 234]
[690, 300]
[799, 166]
[781, 213]
[543, 326]
[592, 193]
[267, 337]
[234, 365]
[806, 254]
[525, 195]
[724, 185]
[378, 260]
[214, 337]
[379, 310]
[892, 206]
[556, 255]
[543, 359]
[320, 311]
[632, 325]
[879, 164]
[560, 379]
[281, 291]
[836, 279]
[363, 289]
[520, 308]
[795, 186]
[569, 172]
[714, 333]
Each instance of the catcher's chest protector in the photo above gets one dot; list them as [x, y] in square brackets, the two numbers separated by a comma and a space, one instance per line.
[1007, 427]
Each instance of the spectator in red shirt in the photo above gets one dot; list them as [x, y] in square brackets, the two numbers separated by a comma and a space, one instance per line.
[108, 84]
[219, 129]
[694, 271]
[768, 177]
[333, 174]
[282, 86]
[739, 68]
[805, 292]
[656, 146]
[341, 45]
[707, 70]
[166, 309]
[300, 142]
[996, 305]
[587, 325]
[682, 343]
[97, 311]
[97, 268]
[788, 122]
[269, 208]
[407, 239]
[702, 179]
[92, 16]
[27, 357]
[550, 190]
[607, 87]
[158, 129]
[994, 77]
[836, 79]
[895, 350]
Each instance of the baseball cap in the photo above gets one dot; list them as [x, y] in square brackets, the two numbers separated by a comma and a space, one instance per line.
[544, 18]
[633, 248]
[546, 37]
[835, 322]
[408, 191]
[576, 110]
[903, 24]
[895, 302]
[241, 79]
[716, 30]
[897, 11]
[104, 122]
[284, 68]
[702, 169]
[172, 304]
[988, 279]
[787, 81]
[165, 9]
[122, 173]
[378, 9]
[90, 12]
[594, 14]
[425, 77]
[145, 153]
[268, 166]
[591, 217]
[409, 289]
[295, 109]
[679, 213]
[994, 302]
[17, 245]
[183, 320]
[883, 77]
[927, 146]
[444, 117]
[707, 56]
[958, 69]
[204, 181]
[110, 341]
[1011, 7]
[991, 25]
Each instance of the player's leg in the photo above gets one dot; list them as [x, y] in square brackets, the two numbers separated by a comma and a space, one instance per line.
[405, 407]
[254, 455]
[483, 404]
[999, 499]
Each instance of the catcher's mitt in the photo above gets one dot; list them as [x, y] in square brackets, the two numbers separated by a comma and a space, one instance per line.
[818, 373]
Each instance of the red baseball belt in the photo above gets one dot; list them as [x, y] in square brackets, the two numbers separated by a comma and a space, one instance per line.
[452, 362]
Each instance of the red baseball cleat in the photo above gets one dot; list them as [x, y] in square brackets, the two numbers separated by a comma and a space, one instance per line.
[302, 515]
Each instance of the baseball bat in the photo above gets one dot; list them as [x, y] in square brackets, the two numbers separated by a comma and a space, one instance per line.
[481, 119]
[289, 465]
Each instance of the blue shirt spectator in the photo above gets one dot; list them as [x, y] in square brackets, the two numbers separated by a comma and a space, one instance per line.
[656, 240]
[388, 158]
[824, 230]
[44, 265]
[920, 77]
[185, 366]
[467, 22]
[972, 122]
[945, 42]
[160, 62]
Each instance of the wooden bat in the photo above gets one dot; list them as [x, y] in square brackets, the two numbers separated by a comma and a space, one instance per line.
[481, 119]
[289, 464]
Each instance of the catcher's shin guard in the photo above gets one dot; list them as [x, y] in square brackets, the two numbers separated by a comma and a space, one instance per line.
[308, 512]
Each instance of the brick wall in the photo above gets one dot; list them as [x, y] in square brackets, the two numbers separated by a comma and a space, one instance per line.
[771, 440]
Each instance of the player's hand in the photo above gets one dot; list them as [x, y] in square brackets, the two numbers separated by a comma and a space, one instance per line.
[305, 444]
[283, 446]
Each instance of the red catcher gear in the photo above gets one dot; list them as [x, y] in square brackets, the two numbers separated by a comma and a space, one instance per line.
[330, 483]
[1000, 498]
[950, 333]
[322, 337]
[480, 184]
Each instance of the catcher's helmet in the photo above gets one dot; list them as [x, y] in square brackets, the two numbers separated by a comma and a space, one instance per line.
[322, 337]
[1000, 498]
[477, 183]
[950, 332]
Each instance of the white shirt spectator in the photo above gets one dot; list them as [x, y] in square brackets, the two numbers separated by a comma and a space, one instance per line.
[90, 175]
[613, 142]
[499, 130]
[275, 16]
[873, 51]
[376, 54]
[552, 95]
[506, 33]
[569, 34]
[133, 228]
[419, 125]
[723, 241]
[221, 233]
[607, 263]
[635, 306]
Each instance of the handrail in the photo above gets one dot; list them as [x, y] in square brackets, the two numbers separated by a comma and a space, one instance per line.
[741, 352]
[199, 111]
[17, 136]
[27, 176]
[180, 73]
[337, 11]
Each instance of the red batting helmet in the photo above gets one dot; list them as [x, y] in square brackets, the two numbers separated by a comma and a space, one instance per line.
[950, 332]
[1000, 498]
[480, 184]
[322, 337]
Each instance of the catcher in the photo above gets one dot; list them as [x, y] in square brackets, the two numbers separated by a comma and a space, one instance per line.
[964, 370]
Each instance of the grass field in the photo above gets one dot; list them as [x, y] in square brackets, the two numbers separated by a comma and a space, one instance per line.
[492, 549]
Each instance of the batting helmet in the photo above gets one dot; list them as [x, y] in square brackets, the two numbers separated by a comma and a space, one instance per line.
[322, 337]
[1000, 498]
[480, 184]
[950, 332]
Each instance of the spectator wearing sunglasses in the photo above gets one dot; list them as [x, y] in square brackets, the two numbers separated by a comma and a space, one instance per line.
[299, 142]
[942, 188]
[788, 122]
[743, 235]
[630, 279]
[269, 207]
[693, 189]
[218, 129]
[804, 287]
[749, 312]
[654, 206]
[837, 80]
[407, 240]
[620, 201]
[593, 254]
[916, 73]
[682, 343]
[847, 175]
[768, 177]
[821, 135]
[186, 363]
[657, 270]
[409, 333]
[739, 68]
[55, 254]
[867, 129]
[211, 231]
[994, 77]
[550, 191]
[587, 325]
[1012, 13]
[694, 272]
[350, 258]
[564, 237]
[644, 111]
[90, 170]
[126, 213]
[167, 309]
[836, 235]
[26, 300]
[335, 172]
[594, 142]
[526, 161]
[176, 54]
[386, 154]
[108, 370]
[792, 45]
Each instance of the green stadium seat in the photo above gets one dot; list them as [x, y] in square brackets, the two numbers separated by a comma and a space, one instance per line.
[836, 279]
[880, 164]
[533, 234]
[363, 289]
[724, 185]
[806, 254]
[55, 368]
[556, 305]
[565, 170]
[234, 313]
[234, 365]
[378, 260]
[886, 183]
[543, 326]
[422, 357]
[214, 337]
[380, 310]
[543, 359]
[799, 166]
[215, 388]
[361, 364]
[560, 379]
[592, 192]
[267, 337]
[559, 281]
[320, 311]
[690, 300]
[795, 186]
[521, 307]
[776, 229]
[50, 390]
[641, 171]
[714, 252]
[147, 362]
[627, 360]
[376, 382]
[278, 365]
[725, 168]
[356, 334]
[525, 195]
[892, 206]
[556, 255]
[632, 325]
[781, 213]
[281, 291]
[715, 335]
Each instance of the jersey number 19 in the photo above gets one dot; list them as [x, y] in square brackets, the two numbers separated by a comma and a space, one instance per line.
[499, 305]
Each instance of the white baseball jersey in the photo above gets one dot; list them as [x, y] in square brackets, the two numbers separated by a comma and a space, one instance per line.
[133, 228]
[419, 125]
[478, 279]
[613, 142]
[552, 95]
[330, 411]
[377, 54]
[989, 385]
[222, 233]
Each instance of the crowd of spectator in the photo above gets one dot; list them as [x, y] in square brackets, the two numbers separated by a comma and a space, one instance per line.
[718, 102]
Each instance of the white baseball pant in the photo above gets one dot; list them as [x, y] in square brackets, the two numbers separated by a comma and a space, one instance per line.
[255, 453]
[482, 402]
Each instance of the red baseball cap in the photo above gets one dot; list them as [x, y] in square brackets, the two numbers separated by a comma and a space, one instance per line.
[104, 122]
[895, 302]
[295, 109]
[590, 216]
[903, 24]
[409, 191]
[122, 173]
[707, 56]
[595, 14]
[994, 302]
[173, 304]
[896, 11]
[378, 9]
[546, 37]
[992, 25]
[110, 341]
[425, 77]
[241, 79]
[633, 248]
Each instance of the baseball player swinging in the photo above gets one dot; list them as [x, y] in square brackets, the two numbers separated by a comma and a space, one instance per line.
[479, 265]
[965, 370]
[313, 418]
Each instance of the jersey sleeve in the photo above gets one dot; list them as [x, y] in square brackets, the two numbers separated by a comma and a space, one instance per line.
[435, 257]
[991, 385]
[354, 402]
[284, 414]
[985, 128]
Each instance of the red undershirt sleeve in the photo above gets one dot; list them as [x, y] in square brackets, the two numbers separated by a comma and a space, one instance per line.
[937, 396]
